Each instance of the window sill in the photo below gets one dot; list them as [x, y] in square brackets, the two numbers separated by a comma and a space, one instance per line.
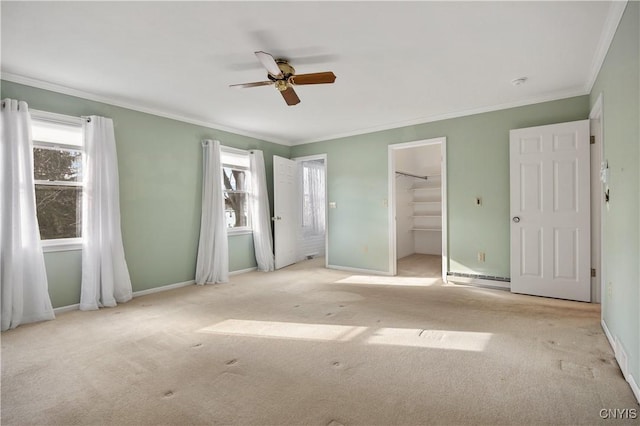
[66, 244]
[243, 231]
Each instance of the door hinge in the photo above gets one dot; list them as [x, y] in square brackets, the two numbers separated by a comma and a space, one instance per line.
[592, 139]
[593, 272]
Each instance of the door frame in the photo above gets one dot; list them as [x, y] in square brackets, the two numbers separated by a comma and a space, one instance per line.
[597, 191]
[326, 199]
[391, 202]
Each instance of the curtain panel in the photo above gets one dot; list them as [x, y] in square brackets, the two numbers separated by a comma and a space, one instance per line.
[260, 215]
[105, 276]
[212, 263]
[24, 295]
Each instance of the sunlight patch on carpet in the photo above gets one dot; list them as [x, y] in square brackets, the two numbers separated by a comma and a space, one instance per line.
[385, 280]
[435, 339]
[285, 330]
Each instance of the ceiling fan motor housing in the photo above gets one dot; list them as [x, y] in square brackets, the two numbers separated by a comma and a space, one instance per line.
[282, 83]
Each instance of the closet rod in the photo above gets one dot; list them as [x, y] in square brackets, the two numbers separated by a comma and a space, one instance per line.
[415, 176]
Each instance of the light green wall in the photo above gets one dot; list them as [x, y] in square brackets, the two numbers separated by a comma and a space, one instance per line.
[160, 167]
[619, 83]
[478, 165]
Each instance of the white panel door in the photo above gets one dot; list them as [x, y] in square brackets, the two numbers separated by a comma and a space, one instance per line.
[550, 211]
[284, 206]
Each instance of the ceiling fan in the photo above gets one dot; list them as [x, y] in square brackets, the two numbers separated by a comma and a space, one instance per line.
[284, 77]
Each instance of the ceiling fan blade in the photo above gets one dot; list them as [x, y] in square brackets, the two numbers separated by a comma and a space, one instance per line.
[256, 84]
[290, 96]
[269, 63]
[314, 78]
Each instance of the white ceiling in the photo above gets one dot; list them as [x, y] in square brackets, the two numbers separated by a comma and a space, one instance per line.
[397, 63]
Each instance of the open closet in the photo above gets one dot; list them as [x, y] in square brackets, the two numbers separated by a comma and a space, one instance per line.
[417, 173]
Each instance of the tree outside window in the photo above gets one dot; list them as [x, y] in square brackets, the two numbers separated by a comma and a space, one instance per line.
[57, 172]
[236, 178]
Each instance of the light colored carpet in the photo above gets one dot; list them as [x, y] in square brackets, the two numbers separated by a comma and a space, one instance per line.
[311, 346]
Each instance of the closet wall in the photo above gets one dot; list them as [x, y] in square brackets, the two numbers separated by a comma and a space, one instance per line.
[418, 201]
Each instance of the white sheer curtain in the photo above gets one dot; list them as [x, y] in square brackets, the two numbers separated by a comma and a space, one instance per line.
[105, 276]
[313, 192]
[212, 264]
[24, 292]
[260, 216]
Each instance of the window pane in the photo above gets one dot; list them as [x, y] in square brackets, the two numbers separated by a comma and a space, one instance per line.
[53, 164]
[235, 180]
[59, 211]
[236, 210]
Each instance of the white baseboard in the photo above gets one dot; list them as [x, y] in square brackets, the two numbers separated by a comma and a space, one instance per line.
[69, 308]
[167, 287]
[621, 359]
[358, 270]
[76, 306]
[607, 333]
[162, 288]
[242, 271]
[501, 285]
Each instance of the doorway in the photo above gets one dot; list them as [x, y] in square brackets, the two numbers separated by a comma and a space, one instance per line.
[312, 204]
[300, 211]
[418, 201]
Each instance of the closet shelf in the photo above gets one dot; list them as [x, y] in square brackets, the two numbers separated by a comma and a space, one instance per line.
[420, 188]
[426, 215]
[425, 202]
[427, 229]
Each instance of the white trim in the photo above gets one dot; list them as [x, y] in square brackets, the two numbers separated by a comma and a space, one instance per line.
[391, 202]
[67, 308]
[233, 150]
[163, 288]
[607, 333]
[69, 120]
[596, 113]
[358, 270]
[244, 230]
[61, 244]
[243, 271]
[501, 285]
[423, 120]
[326, 200]
[614, 346]
[429, 119]
[616, 10]
[634, 387]
[15, 78]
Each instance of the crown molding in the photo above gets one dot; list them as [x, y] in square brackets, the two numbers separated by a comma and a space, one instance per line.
[429, 119]
[616, 10]
[40, 84]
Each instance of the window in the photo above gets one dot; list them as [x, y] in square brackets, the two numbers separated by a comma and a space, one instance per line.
[57, 170]
[236, 187]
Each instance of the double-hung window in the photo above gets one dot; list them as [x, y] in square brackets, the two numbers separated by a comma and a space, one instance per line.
[236, 188]
[57, 169]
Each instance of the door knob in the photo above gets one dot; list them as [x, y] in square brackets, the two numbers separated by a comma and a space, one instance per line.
[516, 219]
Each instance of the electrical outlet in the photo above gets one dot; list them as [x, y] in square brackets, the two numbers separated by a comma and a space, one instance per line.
[610, 289]
[481, 256]
[332, 204]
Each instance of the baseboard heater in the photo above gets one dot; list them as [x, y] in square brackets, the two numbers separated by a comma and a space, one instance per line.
[479, 277]
[491, 281]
